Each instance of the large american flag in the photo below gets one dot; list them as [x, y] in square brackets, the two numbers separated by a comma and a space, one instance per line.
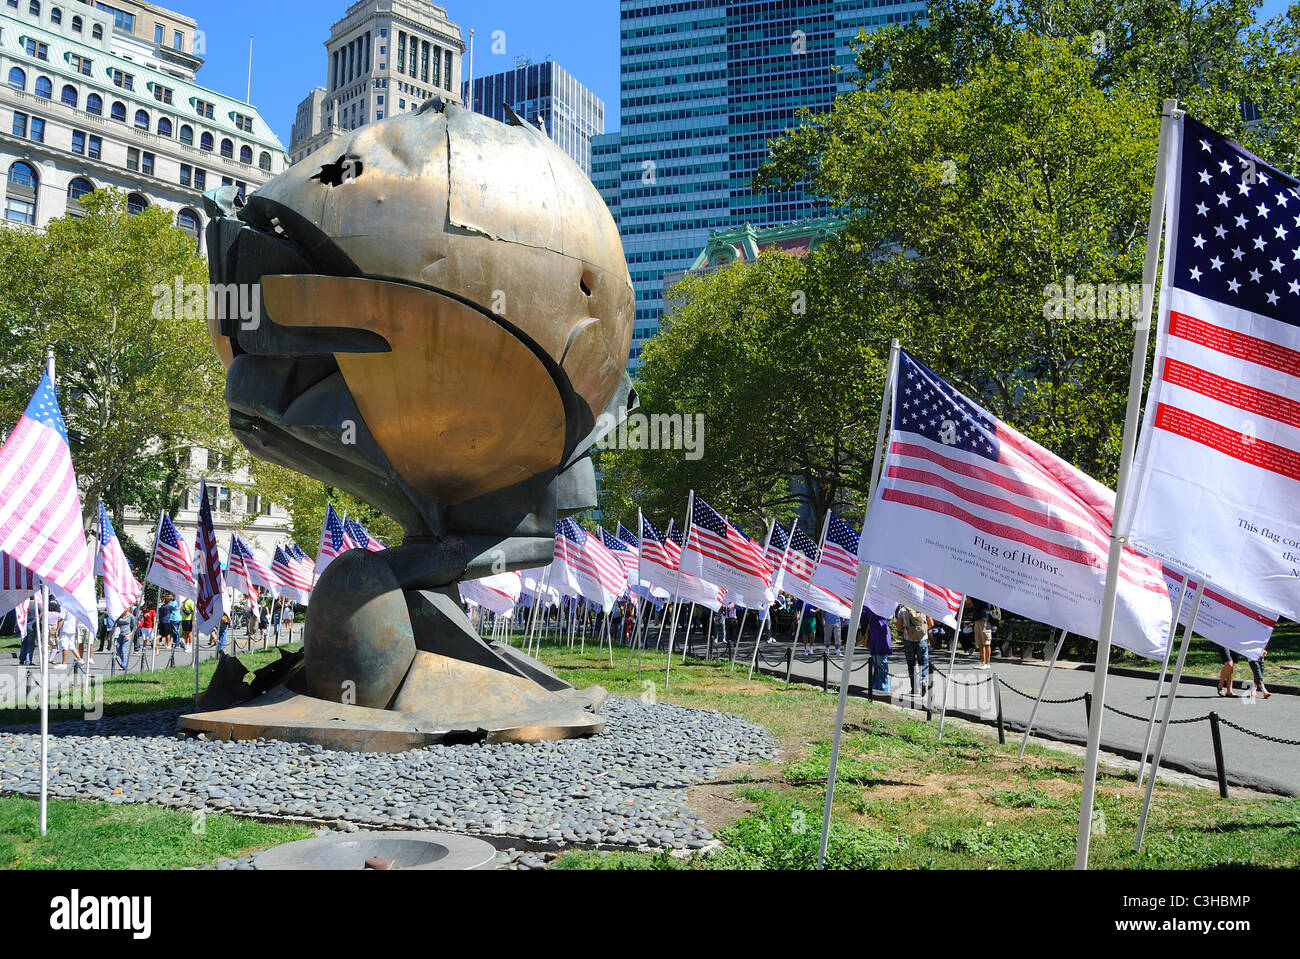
[120, 588]
[802, 563]
[967, 501]
[359, 537]
[1216, 478]
[17, 584]
[171, 566]
[333, 539]
[588, 567]
[258, 571]
[715, 551]
[209, 604]
[837, 566]
[40, 509]
[294, 577]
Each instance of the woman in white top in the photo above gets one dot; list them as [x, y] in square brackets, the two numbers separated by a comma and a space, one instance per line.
[67, 633]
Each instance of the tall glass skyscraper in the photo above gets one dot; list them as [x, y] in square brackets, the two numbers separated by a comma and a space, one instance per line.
[706, 84]
[544, 91]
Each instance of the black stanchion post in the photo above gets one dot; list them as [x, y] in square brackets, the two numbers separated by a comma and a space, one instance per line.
[997, 699]
[789, 665]
[826, 685]
[1087, 708]
[1217, 738]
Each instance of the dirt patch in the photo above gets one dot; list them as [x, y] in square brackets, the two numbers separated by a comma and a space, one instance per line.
[717, 802]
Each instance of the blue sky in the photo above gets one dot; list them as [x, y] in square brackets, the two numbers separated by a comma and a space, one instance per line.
[289, 38]
[289, 44]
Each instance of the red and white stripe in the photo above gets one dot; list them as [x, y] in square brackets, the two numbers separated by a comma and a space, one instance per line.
[17, 585]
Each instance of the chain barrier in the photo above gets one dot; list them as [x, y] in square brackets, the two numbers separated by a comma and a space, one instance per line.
[1047, 702]
[986, 679]
[1263, 736]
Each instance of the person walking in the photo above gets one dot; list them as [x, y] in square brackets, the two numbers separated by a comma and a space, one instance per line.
[67, 635]
[808, 628]
[148, 627]
[221, 634]
[166, 626]
[834, 631]
[1225, 674]
[187, 622]
[27, 651]
[878, 642]
[103, 638]
[915, 626]
[122, 629]
[176, 622]
[263, 621]
[277, 611]
[986, 616]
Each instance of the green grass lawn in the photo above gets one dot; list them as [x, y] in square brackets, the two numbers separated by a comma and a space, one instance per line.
[160, 689]
[906, 800]
[92, 835]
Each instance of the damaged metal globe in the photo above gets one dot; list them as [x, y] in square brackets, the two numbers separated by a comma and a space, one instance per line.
[445, 318]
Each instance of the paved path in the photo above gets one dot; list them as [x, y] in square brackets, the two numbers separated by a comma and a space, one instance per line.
[1250, 762]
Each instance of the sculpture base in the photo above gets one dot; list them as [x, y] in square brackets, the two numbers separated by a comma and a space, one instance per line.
[449, 689]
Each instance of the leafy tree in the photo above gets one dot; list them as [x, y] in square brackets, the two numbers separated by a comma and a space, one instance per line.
[138, 386]
[305, 499]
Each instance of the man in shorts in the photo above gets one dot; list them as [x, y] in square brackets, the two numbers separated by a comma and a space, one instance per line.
[187, 622]
[985, 619]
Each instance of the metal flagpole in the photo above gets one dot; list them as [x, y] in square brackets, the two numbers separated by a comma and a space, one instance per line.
[952, 664]
[203, 490]
[610, 639]
[686, 535]
[45, 669]
[744, 615]
[1029, 726]
[1160, 682]
[753, 660]
[855, 615]
[1136, 376]
[663, 618]
[686, 643]
[1169, 708]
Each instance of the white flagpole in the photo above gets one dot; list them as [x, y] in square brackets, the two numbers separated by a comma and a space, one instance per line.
[686, 641]
[1160, 682]
[1169, 708]
[1137, 373]
[855, 614]
[45, 670]
[686, 538]
[194, 636]
[1029, 726]
[785, 556]
[952, 665]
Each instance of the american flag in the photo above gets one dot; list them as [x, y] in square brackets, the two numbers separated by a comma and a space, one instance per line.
[627, 536]
[257, 570]
[120, 588]
[778, 544]
[237, 574]
[589, 568]
[717, 552]
[333, 539]
[675, 533]
[837, 567]
[625, 553]
[171, 566]
[360, 537]
[17, 584]
[209, 604]
[967, 501]
[1221, 441]
[40, 509]
[294, 577]
[660, 558]
[500, 592]
[887, 589]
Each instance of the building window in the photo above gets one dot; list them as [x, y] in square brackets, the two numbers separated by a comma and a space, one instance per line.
[44, 88]
[20, 211]
[78, 142]
[157, 33]
[135, 203]
[69, 96]
[20, 124]
[187, 134]
[164, 127]
[38, 129]
[17, 78]
[227, 148]
[187, 174]
[142, 119]
[95, 147]
[56, 15]
[124, 80]
[97, 32]
[118, 111]
[424, 61]
[39, 51]
[401, 49]
[203, 108]
[205, 141]
[162, 94]
[177, 40]
[146, 163]
[121, 19]
[200, 179]
[246, 154]
[188, 221]
[34, 8]
[132, 158]
[264, 161]
[79, 187]
[76, 24]
[242, 122]
[95, 104]
[21, 174]
[79, 64]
